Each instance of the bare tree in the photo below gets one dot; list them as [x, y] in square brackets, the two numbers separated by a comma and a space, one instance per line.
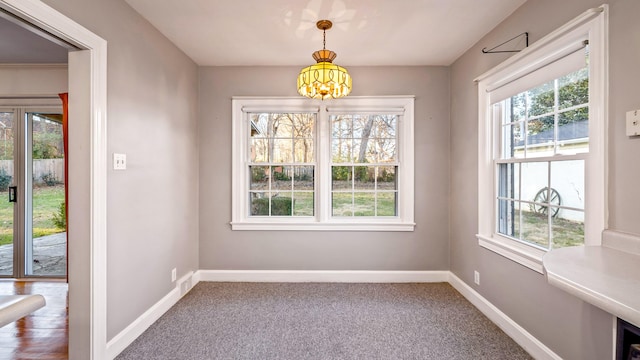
[366, 134]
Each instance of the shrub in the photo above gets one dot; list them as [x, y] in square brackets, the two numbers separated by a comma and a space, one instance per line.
[280, 206]
[258, 174]
[302, 177]
[49, 179]
[47, 145]
[361, 173]
[60, 219]
[5, 180]
[341, 173]
[386, 176]
[260, 206]
[281, 176]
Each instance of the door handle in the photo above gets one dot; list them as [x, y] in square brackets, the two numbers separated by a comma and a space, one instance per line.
[13, 194]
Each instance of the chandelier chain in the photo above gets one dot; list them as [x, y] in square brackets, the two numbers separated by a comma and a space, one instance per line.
[324, 39]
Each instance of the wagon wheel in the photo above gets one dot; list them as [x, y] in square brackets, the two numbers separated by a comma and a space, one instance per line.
[547, 196]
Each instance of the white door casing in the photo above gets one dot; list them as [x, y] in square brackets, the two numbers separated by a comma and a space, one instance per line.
[87, 175]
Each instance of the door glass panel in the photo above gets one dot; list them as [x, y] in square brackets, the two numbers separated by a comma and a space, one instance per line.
[46, 245]
[6, 180]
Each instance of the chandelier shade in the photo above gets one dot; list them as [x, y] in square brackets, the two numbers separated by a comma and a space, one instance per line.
[324, 79]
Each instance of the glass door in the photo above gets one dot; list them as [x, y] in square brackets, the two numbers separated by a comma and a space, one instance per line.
[33, 240]
[45, 215]
[7, 207]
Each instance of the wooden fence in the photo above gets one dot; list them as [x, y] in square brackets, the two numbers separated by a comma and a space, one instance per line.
[52, 169]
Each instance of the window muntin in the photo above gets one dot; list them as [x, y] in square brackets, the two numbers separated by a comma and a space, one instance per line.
[550, 119]
[364, 165]
[540, 195]
[283, 178]
[282, 163]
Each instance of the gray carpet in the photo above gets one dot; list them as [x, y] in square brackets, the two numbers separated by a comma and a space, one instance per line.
[323, 321]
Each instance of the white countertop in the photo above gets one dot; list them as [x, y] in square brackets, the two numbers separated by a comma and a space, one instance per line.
[606, 277]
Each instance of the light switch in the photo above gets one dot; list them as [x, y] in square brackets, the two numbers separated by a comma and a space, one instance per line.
[119, 161]
[633, 123]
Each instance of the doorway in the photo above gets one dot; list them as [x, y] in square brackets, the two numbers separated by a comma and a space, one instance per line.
[87, 176]
[33, 242]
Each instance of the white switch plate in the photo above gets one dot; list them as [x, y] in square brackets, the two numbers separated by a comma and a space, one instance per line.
[633, 123]
[119, 161]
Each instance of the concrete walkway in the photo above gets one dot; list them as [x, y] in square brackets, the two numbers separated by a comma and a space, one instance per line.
[49, 256]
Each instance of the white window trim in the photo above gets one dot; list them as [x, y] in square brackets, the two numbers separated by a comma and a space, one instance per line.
[323, 220]
[594, 25]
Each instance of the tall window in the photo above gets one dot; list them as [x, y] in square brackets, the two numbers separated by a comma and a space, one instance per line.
[281, 164]
[364, 164]
[301, 164]
[541, 195]
[542, 144]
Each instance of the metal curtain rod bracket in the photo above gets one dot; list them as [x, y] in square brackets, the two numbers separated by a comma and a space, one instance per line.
[493, 51]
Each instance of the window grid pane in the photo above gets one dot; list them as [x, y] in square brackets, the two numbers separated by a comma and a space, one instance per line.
[542, 203]
[281, 164]
[364, 165]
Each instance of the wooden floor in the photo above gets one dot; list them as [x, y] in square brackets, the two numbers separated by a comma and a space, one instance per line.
[43, 334]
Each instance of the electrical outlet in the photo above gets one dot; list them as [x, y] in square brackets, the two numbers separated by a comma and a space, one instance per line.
[174, 274]
[476, 277]
[633, 123]
[119, 161]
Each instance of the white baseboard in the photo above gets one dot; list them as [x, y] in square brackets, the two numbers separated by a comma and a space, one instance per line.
[340, 276]
[521, 336]
[120, 342]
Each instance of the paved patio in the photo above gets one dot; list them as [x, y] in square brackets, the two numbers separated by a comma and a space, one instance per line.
[49, 256]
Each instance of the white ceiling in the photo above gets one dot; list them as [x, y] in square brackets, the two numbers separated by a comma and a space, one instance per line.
[365, 32]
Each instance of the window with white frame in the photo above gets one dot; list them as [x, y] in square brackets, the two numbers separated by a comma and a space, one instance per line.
[336, 165]
[281, 163]
[364, 164]
[542, 121]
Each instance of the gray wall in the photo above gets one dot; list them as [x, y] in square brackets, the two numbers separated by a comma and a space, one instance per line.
[155, 218]
[570, 327]
[424, 249]
[152, 209]
[32, 79]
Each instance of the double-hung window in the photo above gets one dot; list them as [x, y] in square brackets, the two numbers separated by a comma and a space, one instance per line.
[281, 163]
[337, 165]
[364, 164]
[542, 122]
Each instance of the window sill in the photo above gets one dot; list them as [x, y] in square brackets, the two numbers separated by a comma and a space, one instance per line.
[334, 226]
[520, 253]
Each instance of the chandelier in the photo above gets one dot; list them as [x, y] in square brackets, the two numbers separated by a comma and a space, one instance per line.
[324, 79]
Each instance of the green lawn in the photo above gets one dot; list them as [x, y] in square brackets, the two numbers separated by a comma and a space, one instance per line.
[303, 204]
[46, 203]
[363, 204]
[565, 232]
[343, 204]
